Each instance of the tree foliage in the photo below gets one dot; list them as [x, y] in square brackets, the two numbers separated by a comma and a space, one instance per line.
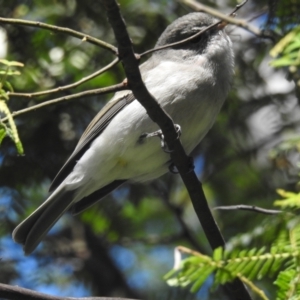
[279, 260]
[124, 244]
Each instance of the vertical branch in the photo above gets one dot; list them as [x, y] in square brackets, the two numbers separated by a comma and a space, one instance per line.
[236, 289]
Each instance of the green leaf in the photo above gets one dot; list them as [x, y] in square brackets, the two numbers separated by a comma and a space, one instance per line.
[173, 282]
[218, 254]
[222, 276]
[295, 45]
[11, 130]
[10, 72]
[287, 50]
[19, 147]
[11, 63]
[3, 95]
[282, 62]
[9, 86]
[265, 267]
[203, 275]
[253, 274]
[284, 283]
[2, 134]
[170, 274]
[282, 44]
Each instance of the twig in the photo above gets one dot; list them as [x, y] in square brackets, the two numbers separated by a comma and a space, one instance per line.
[237, 7]
[238, 22]
[183, 41]
[164, 121]
[188, 251]
[250, 208]
[16, 293]
[110, 89]
[66, 87]
[197, 34]
[64, 30]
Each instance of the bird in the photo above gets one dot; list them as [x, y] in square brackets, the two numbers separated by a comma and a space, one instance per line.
[190, 81]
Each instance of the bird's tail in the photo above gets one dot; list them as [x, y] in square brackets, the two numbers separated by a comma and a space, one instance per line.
[30, 232]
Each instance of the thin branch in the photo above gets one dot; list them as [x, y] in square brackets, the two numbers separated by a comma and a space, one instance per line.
[238, 22]
[197, 34]
[237, 7]
[250, 208]
[236, 289]
[186, 250]
[16, 293]
[253, 287]
[183, 41]
[101, 91]
[66, 87]
[64, 30]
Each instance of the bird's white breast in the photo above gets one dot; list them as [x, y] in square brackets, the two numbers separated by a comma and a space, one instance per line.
[186, 91]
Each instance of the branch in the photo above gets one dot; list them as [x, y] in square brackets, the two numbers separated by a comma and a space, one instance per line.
[238, 22]
[101, 91]
[197, 34]
[164, 121]
[16, 293]
[64, 30]
[250, 208]
[182, 41]
[66, 87]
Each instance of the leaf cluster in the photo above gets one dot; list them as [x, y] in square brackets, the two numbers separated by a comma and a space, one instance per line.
[280, 261]
[245, 264]
[287, 50]
[10, 128]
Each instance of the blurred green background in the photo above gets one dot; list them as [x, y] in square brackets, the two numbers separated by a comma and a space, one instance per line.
[124, 245]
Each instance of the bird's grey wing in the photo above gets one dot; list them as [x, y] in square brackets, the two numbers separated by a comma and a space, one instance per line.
[97, 125]
[91, 199]
[31, 231]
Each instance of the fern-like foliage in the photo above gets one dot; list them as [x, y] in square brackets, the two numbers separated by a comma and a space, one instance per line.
[8, 128]
[292, 200]
[288, 283]
[281, 259]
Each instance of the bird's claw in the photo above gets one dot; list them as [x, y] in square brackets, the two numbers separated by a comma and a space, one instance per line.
[159, 133]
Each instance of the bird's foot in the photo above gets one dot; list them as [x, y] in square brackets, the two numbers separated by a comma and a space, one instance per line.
[159, 133]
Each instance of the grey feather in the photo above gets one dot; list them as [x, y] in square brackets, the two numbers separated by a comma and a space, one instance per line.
[97, 125]
[91, 199]
[31, 231]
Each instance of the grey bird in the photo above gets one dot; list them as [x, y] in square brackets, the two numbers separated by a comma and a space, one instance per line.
[190, 81]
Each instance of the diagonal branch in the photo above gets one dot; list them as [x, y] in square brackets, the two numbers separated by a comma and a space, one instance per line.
[101, 91]
[238, 22]
[69, 86]
[200, 32]
[181, 160]
[183, 41]
[64, 30]
[251, 208]
[16, 293]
